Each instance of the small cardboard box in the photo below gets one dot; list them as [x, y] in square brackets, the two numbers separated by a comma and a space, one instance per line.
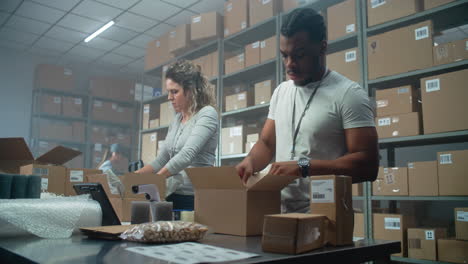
[234, 63]
[461, 223]
[236, 101]
[428, 4]
[452, 168]
[179, 39]
[402, 125]
[149, 147]
[422, 242]
[157, 52]
[379, 12]
[391, 181]
[345, 62]
[268, 49]
[423, 179]
[294, 233]
[391, 227]
[331, 196]
[358, 189]
[235, 16]
[263, 91]
[74, 176]
[54, 77]
[252, 54]
[224, 203]
[72, 106]
[443, 53]
[146, 117]
[166, 114]
[341, 19]
[451, 250]
[460, 50]
[395, 101]
[359, 227]
[444, 105]
[50, 104]
[205, 27]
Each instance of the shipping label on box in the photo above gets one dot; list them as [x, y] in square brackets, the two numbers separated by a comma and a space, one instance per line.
[391, 227]
[341, 19]
[345, 62]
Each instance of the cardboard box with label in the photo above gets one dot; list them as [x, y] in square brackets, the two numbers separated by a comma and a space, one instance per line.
[236, 16]
[452, 168]
[236, 101]
[233, 139]
[401, 50]
[50, 104]
[402, 125]
[428, 4]
[294, 233]
[252, 54]
[261, 10]
[461, 223]
[450, 52]
[72, 106]
[422, 242]
[460, 48]
[391, 181]
[268, 49]
[423, 179]
[205, 27]
[451, 250]
[394, 101]
[346, 63]
[74, 176]
[359, 227]
[149, 147]
[179, 39]
[157, 52]
[380, 11]
[444, 105]
[341, 19]
[234, 63]
[263, 92]
[331, 196]
[391, 227]
[166, 113]
[224, 203]
[54, 77]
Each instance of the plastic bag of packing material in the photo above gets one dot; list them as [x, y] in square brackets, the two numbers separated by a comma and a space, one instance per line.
[165, 232]
[48, 218]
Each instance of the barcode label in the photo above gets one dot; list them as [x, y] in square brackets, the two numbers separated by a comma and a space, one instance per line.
[429, 234]
[385, 121]
[445, 158]
[229, 7]
[196, 19]
[403, 90]
[235, 131]
[146, 109]
[153, 137]
[76, 176]
[255, 45]
[392, 223]
[382, 103]
[241, 96]
[98, 147]
[44, 184]
[350, 28]
[350, 56]
[462, 216]
[389, 179]
[377, 3]
[172, 34]
[243, 25]
[262, 44]
[41, 171]
[421, 33]
[78, 101]
[97, 103]
[322, 191]
[411, 165]
[432, 85]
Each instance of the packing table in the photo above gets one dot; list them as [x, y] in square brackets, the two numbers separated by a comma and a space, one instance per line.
[80, 249]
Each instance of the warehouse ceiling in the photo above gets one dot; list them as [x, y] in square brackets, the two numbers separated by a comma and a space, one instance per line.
[57, 28]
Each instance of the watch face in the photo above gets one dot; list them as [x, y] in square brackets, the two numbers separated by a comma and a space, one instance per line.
[303, 162]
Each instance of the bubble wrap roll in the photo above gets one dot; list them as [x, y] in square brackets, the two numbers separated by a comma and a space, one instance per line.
[48, 218]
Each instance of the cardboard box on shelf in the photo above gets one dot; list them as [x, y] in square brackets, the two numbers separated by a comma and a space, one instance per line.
[345, 62]
[443, 102]
[460, 50]
[461, 223]
[74, 176]
[325, 193]
[235, 16]
[399, 100]
[157, 52]
[236, 101]
[146, 117]
[423, 179]
[260, 10]
[179, 38]
[54, 77]
[293, 233]
[114, 88]
[250, 141]
[402, 125]
[408, 48]
[166, 114]
[428, 4]
[450, 52]
[233, 139]
[422, 242]
[268, 49]
[50, 104]
[391, 181]
[252, 54]
[72, 106]
[205, 27]
[358, 189]
[263, 91]
[451, 250]
[358, 232]
[103, 110]
[153, 123]
[452, 168]
[341, 19]
[149, 147]
[379, 12]
[99, 134]
[391, 227]
[123, 114]
[234, 63]
[225, 204]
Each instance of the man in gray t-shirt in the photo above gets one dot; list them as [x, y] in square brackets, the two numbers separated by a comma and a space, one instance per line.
[319, 122]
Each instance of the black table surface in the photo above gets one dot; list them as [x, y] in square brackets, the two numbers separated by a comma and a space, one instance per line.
[80, 249]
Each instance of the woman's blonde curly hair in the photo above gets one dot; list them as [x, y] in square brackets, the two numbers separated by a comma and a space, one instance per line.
[190, 77]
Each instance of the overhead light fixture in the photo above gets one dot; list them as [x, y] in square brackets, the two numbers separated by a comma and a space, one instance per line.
[99, 31]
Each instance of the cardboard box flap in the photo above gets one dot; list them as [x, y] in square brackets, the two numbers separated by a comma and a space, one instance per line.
[58, 155]
[263, 181]
[15, 149]
[225, 177]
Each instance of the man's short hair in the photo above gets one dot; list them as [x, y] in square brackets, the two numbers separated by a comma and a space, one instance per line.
[304, 19]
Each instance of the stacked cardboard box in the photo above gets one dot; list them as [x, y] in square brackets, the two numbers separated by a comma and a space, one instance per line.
[113, 88]
[341, 19]
[251, 139]
[263, 92]
[179, 39]
[235, 62]
[379, 12]
[54, 77]
[423, 179]
[252, 54]
[260, 10]
[235, 16]
[205, 27]
[391, 181]
[422, 242]
[345, 62]
[234, 139]
[392, 227]
[456, 250]
[450, 52]
[157, 52]
[451, 169]
[50, 104]
[72, 106]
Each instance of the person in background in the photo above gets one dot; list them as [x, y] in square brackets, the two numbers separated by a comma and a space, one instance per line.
[319, 122]
[192, 136]
[114, 164]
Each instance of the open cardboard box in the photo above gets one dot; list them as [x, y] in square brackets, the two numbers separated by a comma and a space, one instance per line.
[225, 204]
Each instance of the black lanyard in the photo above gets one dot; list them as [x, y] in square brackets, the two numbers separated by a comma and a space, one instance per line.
[295, 132]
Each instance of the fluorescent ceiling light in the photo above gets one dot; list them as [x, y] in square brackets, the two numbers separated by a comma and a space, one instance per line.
[99, 31]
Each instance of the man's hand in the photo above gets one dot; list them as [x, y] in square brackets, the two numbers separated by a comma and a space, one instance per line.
[245, 169]
[285, 168]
